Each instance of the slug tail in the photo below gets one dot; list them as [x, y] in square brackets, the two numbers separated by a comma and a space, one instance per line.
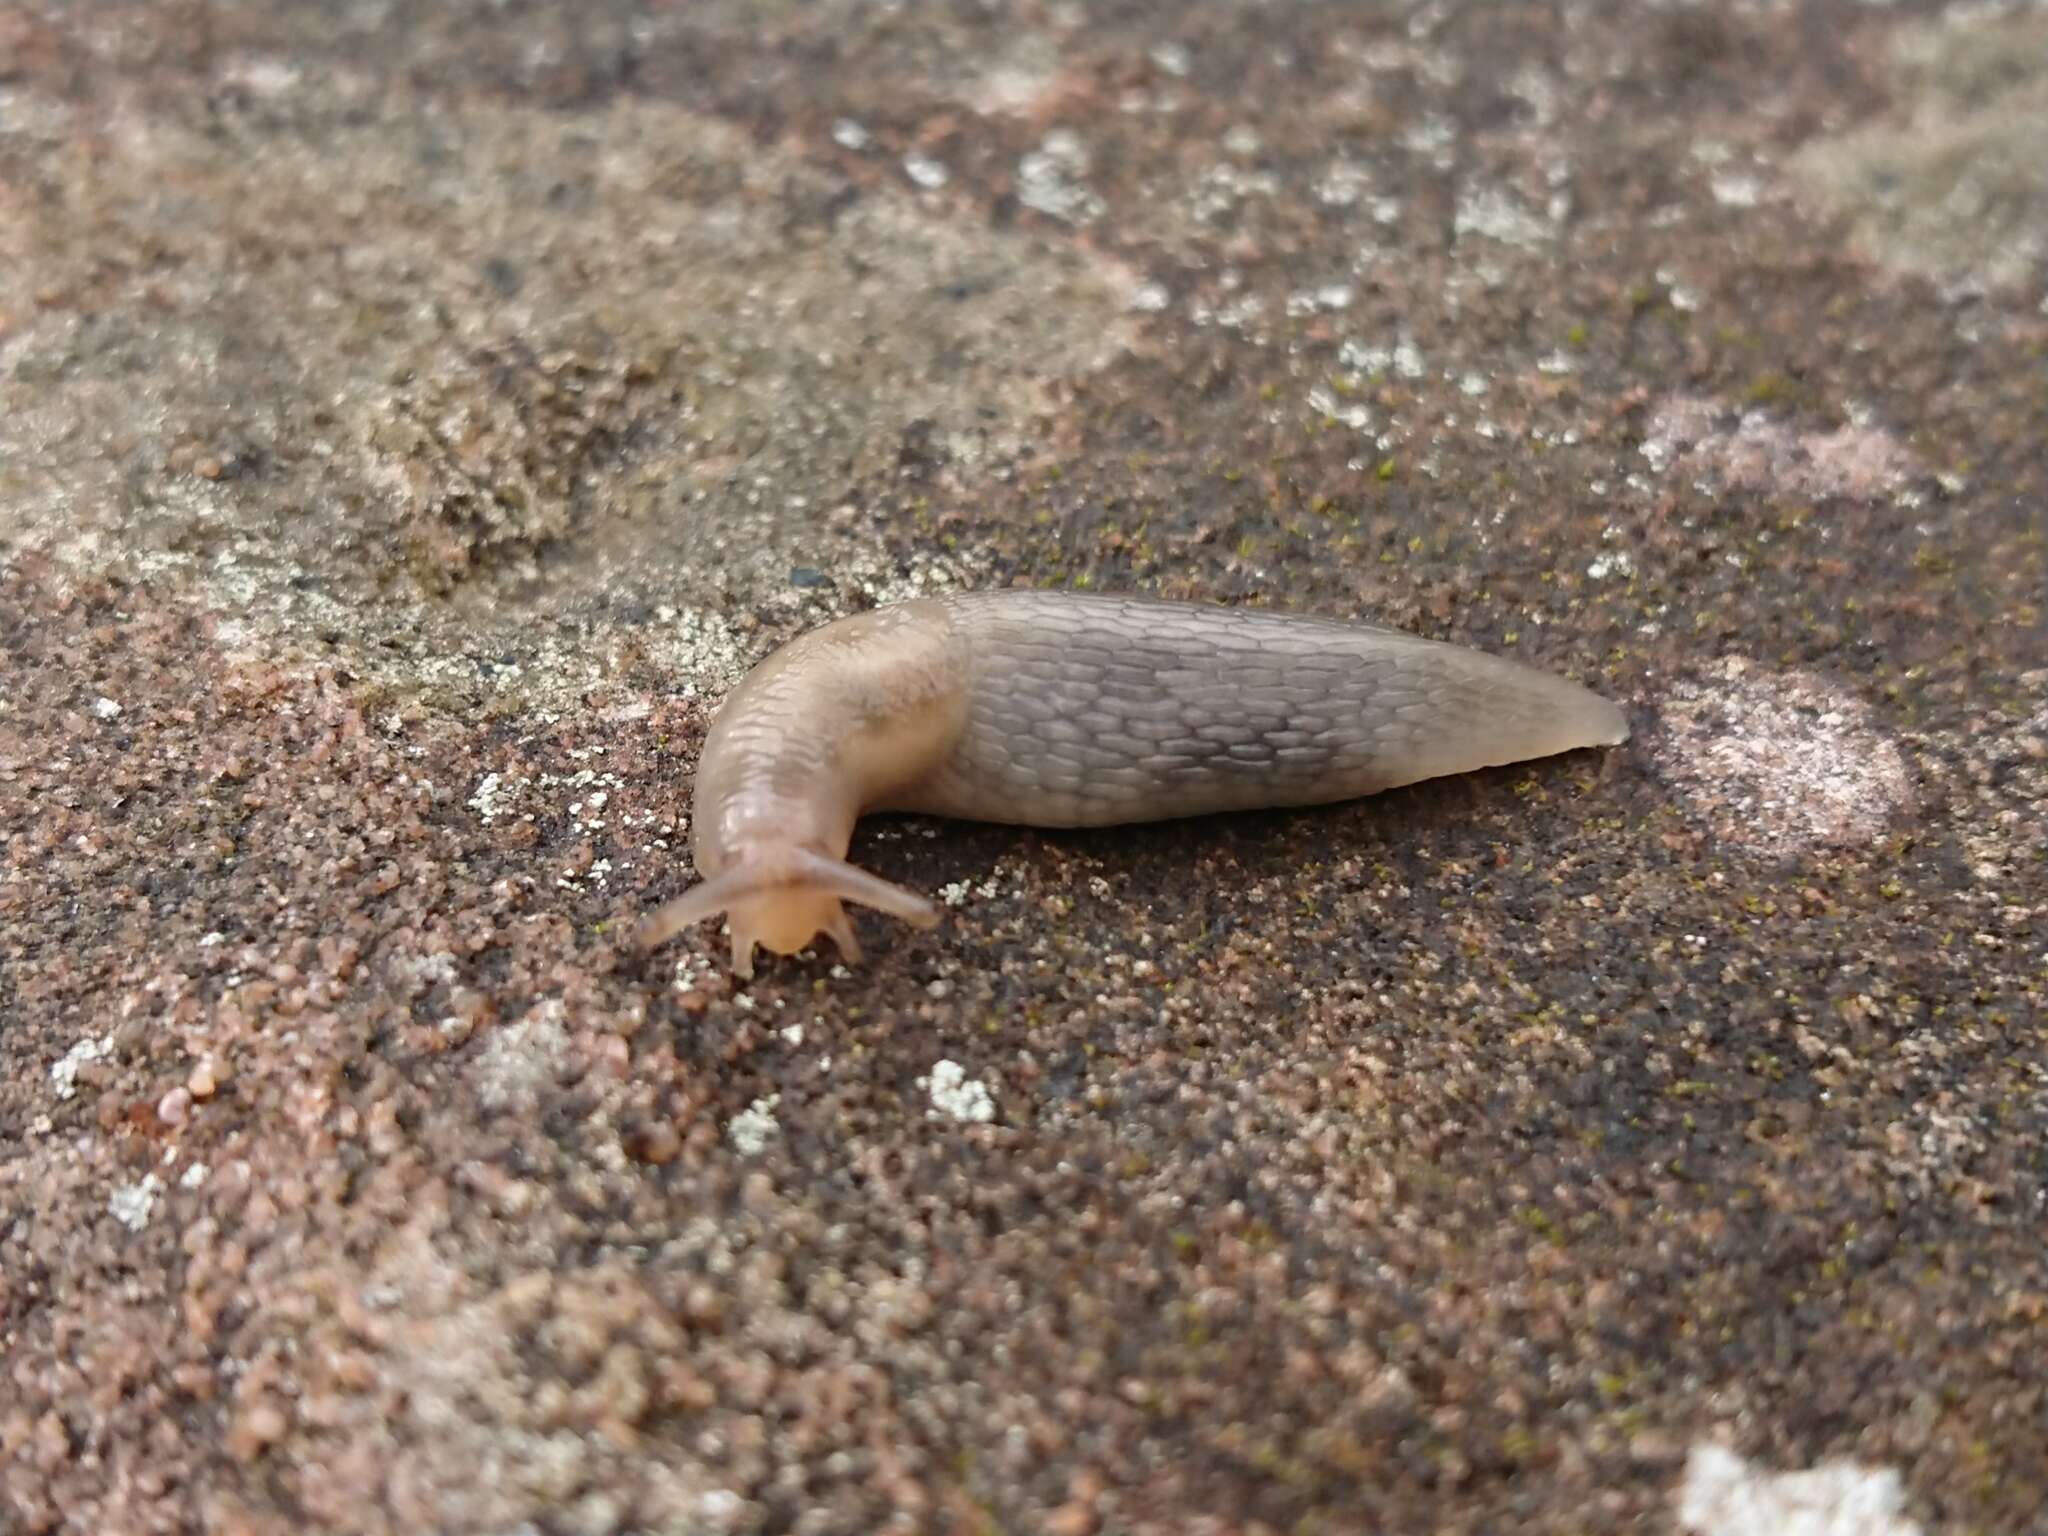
[1603, 723]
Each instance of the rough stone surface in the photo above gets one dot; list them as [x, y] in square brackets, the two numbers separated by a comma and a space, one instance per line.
[413, 418]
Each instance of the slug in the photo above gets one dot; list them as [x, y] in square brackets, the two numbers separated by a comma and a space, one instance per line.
[1051, 709]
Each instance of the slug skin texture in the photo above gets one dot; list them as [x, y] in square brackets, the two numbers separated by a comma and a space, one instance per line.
[1052, 709]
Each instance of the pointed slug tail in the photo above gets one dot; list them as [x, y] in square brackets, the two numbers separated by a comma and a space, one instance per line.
[1606, 723]
[769, 895]
[1535, 713]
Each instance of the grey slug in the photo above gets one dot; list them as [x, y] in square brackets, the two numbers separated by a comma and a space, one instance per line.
[1051, 709]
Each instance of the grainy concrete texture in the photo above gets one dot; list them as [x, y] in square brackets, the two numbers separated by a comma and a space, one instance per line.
[413, 417]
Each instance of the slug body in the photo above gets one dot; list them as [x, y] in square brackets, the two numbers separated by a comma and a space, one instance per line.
[1058, 710]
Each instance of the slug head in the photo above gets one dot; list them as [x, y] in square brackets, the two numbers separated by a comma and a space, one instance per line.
[782, 898]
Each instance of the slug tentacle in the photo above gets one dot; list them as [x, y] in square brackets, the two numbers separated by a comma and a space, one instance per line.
[784, 897]
[1058, 710]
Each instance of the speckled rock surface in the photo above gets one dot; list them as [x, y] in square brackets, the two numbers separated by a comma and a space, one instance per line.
[412, 420]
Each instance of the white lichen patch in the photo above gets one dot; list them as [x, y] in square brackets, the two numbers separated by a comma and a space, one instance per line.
[1736, 189]
[1711, 444]
[1491, 213]
[1373, 360]
[1050, 180]
[1610, 563]
[1776, 763]
[434, 968]
[132, 1204]
[755, 1126]
[956, 1096]
[1724, 1495]
[64, 1071]
[1343, 185]
[698, 645]
[926, 172]
[492, 797]
[1327, 405]
[1930, 1154]
[1223, 191]
[1327, 296]
[957, 893]
[521, 1058]
[1174, 58]
[879, 580]
[1015, 77]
